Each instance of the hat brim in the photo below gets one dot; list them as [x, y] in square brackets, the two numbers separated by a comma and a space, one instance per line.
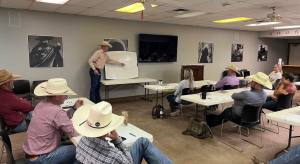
[109, 45]
[10, 79]
[81, 126]
[236, 71]
[268, 84]
[40, 90]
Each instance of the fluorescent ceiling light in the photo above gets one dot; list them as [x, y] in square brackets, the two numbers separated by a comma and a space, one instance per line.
[232, 20]
[286, 27]
[153, 5]
[54, 1]
[136, 7]
[263, 24]
[193, 14]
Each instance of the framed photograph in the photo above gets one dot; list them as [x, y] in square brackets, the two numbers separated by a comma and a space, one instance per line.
[205, 52]
[237, 52]
[45, 51]
[118, 44]
[262, 53]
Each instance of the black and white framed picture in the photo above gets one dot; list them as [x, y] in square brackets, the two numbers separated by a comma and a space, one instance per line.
[237, 52]
[45, 51]
[262, 53]
[118, 44]
[205, 52]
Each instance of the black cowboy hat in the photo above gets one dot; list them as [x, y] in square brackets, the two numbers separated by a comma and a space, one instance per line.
[42, 38]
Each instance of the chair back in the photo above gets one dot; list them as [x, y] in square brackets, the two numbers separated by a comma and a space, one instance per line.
[285, 101]
[21, 86]
[205, 88]
[7, 144]
[251, 114]
[2, 122]
[276, 82]
[35, 84]
[246, 73]
[225, 73]
[188, 91]
[228, 87]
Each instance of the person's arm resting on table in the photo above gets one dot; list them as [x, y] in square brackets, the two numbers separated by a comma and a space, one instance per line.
[221, 83]
[238, 96]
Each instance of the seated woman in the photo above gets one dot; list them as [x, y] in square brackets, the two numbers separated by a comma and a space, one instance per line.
[175, 100]
[276, 74]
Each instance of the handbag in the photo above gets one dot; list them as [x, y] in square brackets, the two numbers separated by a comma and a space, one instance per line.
[197, 129]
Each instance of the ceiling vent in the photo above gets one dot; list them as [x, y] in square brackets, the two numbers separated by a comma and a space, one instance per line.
[179, 11]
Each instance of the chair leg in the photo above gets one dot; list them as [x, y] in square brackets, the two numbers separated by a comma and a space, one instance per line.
[240, 136]
[260, 138]
[181, 111]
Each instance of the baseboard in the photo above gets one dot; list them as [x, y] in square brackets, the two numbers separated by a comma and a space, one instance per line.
[130, 98]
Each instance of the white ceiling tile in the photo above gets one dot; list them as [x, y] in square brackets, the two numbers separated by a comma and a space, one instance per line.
[221, 8]
[133, 16]
[44, 6]
[84, 3]
[261, 1]
[70, 9]
[113, 14]
[113, 4]
[16, 4]
[184, 3]
[93, 12]
[150, 17]
[165, 19]
[159, 9]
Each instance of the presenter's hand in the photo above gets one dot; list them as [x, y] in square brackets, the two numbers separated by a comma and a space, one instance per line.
[96, 72]
[122, 64]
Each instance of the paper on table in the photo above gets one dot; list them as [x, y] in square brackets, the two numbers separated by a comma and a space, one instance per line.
[219, 98]
[166, 87]
[297, 112]
[67, 103]
[128, 135]
[291, 117]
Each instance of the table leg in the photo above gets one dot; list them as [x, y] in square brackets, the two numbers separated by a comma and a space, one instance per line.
[156, 98]
[105, 92]
[162, 99]
[289, 143]
[204, 113]
[146, 96]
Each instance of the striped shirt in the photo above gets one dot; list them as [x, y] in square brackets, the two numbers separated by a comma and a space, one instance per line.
[47, 124]
[99, 58]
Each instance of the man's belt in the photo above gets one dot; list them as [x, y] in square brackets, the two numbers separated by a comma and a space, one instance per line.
[31, 157]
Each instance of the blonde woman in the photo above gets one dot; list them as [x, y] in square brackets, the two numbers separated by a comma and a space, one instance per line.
[175, 100]
[276, 74]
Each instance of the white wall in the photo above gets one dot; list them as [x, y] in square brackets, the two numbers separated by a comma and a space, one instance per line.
[82, 34]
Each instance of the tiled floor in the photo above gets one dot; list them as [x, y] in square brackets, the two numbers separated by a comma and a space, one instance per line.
[187, 149]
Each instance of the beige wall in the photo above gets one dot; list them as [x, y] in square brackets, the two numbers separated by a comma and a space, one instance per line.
[81, 35]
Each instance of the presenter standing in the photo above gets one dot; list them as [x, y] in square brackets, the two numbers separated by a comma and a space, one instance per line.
[97, 62]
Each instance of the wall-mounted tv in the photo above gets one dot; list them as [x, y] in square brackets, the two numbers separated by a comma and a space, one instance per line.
[157, 48]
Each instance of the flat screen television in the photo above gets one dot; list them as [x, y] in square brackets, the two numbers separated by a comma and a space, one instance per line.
[157, 48]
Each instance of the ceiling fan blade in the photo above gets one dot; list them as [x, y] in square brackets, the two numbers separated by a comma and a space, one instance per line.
[178, 3]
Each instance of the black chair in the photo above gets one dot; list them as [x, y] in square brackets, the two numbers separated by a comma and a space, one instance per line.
[7, 144]
[276, 83]
[22, 89]
[186, 91]
[34, 85]
[228, 87]
[283, 102]
[250, 118]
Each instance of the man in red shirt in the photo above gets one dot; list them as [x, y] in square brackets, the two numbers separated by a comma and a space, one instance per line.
[285, 87]
[12, 106]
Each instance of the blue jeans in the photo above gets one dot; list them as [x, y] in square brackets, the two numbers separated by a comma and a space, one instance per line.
[215, 120]
[291, 157]
[23, 126]
[95, 86]
[143, 148]
[173, 104]
[64, 153]
[270, 104]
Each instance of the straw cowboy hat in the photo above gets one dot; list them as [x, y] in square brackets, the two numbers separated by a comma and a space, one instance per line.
[96, 120]
[6, 76]
[53, 87]
[261, 78]
[105, 43]
[234, 68]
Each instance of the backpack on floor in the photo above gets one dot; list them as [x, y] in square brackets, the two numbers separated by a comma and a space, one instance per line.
[197, 129]
[156, 111]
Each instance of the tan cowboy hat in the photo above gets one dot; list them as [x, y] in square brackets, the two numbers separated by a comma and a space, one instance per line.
[53, 87]
[6, 76]
[105, 43]
[96, 120]
[262, 79]
[234, 68]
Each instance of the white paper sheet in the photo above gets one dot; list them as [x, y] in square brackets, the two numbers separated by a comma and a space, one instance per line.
[219, 98]
[129, 71]
[128, 135]
[297, 112]
[291, 117]
[67, 103]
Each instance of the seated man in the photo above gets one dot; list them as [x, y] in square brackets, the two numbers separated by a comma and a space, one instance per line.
[255, 97]
[285, 87]
[99, 123]
[230, 79]
[291, 157]
[42, 144]
[12, 106]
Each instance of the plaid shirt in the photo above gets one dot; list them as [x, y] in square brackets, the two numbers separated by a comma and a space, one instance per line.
[98, 151]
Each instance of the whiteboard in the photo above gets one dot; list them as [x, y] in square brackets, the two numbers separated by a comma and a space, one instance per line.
[130, 70]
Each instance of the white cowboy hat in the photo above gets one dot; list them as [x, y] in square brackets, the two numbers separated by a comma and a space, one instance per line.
[53, 87]
[6, 76]
[234, 68]
[96, 120]
[105, 43]
[262, 79]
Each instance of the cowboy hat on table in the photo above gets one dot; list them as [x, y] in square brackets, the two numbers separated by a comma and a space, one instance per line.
[105, 43]
[96, 120]
[53, 87]
[262, 79]
[6, 76]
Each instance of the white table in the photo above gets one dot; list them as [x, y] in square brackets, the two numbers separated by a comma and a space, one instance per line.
[131, 128]
[118, 82]
[276, 116]
[225, 97]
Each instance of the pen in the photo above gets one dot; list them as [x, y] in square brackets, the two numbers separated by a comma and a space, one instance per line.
[132, 134]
